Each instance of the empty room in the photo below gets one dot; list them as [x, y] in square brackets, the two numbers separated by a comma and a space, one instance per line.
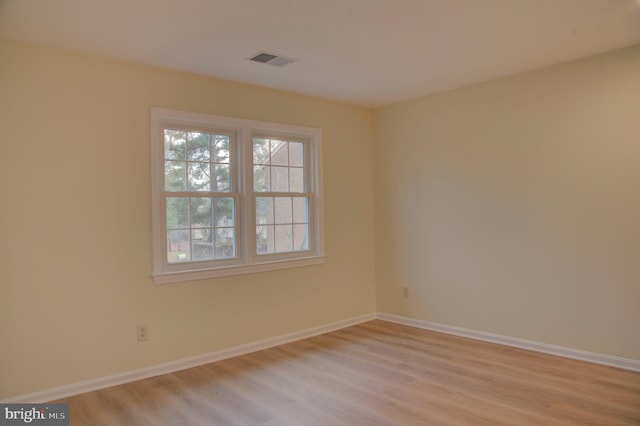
[296, 212]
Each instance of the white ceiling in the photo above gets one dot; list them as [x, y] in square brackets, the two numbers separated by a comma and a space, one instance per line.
[366, 52]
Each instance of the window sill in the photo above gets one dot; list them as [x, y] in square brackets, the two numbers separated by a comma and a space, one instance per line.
[175, 277]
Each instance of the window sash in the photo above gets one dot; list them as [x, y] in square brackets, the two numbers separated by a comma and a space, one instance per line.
[311, 221]
[204, 263]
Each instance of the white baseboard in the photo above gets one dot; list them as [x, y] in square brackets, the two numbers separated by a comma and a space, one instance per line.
[613, 361]
[182, 364]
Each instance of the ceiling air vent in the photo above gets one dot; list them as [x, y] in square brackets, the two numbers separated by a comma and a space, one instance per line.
[271, 59]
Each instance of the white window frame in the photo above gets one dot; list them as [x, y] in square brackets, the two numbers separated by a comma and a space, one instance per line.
[247, 260]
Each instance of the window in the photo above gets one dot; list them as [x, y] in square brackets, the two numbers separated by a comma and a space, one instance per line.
[232, 196]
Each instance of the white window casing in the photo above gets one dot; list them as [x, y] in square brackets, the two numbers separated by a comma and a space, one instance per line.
[212, 216]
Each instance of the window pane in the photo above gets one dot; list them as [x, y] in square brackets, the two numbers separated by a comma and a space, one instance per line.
[201, 212]
[199, 179]
[279, 153]
[177, 212]
[300, 210]
[178, 246]
[224, 212]
[283, 238]
[260, 151]
[261, 178]
[296, 179]
[264, 239]
[296, 154]
[174, 144]
[280, 179]
[202, 244]
[198, 146]
[283, 210]
[223, 177]
[222, 149]
[264, 210]
[225, 243]
[300, 237]
[175, 176]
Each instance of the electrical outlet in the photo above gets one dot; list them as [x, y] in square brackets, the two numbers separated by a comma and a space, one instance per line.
[405, 292]
[143, 333]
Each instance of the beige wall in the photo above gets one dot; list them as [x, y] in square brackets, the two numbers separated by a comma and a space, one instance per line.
[513, 207]
[510, 207]
[75, 245]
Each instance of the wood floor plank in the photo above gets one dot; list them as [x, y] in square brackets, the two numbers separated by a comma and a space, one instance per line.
[376, 373]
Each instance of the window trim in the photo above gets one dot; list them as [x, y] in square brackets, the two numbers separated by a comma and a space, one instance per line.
[247, 261]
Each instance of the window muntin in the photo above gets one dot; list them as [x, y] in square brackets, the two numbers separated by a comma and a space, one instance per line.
[282, 224]
[278, 165]
[197, 161]
[233, 196]
[200, 228]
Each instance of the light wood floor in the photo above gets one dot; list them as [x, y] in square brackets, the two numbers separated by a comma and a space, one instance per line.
[377, 373]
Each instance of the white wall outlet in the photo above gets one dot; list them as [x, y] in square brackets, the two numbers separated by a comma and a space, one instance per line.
[143, 333]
